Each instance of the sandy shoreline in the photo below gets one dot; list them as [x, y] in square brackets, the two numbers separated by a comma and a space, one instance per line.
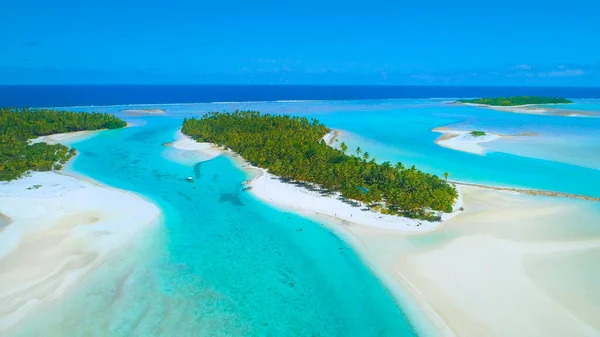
[467, 276]
[312, 203]
[60, 138]
[486, 272]
[331, 137]
[534, 109]
[463, 140]
[61, 227]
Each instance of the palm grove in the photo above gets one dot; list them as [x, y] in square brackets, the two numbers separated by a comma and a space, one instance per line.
[293, 148]
[17, 126]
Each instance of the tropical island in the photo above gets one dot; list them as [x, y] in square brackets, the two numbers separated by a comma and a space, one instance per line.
[55, 228]
[18, 126]
[515, 100]
[293, 148]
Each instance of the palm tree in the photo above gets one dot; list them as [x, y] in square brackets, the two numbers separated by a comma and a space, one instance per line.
[343, 147]
[266, 140]
[446, 175]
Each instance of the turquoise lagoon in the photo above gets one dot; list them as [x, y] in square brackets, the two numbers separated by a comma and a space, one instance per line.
[221, 263]
[564, 156]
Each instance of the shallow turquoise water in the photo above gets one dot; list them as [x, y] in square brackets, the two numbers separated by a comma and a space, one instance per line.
[220, 264]
[223, 264]
[565, 156]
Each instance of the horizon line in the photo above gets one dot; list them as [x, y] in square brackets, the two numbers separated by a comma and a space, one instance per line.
[294, 85]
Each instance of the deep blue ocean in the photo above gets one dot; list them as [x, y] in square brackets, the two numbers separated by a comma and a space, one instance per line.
[79, 95]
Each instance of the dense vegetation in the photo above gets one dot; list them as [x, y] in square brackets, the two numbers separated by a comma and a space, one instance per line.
[17, 126]
[515, 100]
[477, 133]
[293, 148]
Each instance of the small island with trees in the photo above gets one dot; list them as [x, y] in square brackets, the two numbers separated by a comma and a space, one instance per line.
[515, 100]
[478, 133]
[293, 148]
[18, 126]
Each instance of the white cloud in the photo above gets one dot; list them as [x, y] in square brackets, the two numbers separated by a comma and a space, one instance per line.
[523, 66]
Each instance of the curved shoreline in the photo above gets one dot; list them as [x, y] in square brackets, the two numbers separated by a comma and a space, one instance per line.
[61, 138]
[417, 274]
[331, 137]
[285, 196]
[62, 226]
[461, 140]
[309, 199]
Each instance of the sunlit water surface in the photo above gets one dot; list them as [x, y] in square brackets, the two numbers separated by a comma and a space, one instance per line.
[221, 263]
[564, 155]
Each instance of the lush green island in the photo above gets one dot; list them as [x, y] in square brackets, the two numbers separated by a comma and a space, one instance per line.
[293, 148]
[515, 100]
[478, 133]
[17, 126]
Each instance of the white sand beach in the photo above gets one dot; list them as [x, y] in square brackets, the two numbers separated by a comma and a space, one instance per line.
[64, 137]
[314, 204]
[59, 228]
[203, 151]
[310, 202]
[504, 267]
[463, 140]
[331, 137]
[509, 265]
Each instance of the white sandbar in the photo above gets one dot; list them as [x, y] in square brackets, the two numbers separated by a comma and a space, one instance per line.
[463, 140]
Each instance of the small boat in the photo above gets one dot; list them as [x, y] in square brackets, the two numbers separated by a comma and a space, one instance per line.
[190, 179]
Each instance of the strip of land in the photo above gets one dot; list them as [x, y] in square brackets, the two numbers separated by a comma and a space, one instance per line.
[331, 137]
[463, 140]
[309, 199]
[531, 109]
[60, 138]
[143, 112]
[534, 192]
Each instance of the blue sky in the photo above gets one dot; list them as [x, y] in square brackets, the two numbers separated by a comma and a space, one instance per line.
[424, 42]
